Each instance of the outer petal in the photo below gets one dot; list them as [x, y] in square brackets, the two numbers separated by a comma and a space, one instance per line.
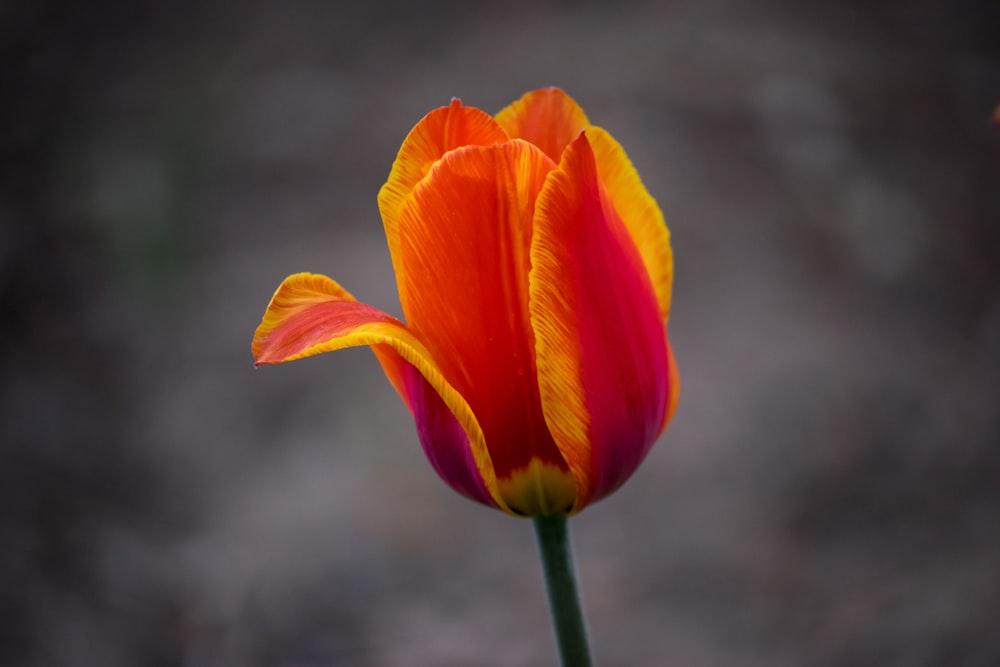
[548, 118]
[310, 314]
[639, 212]
[465, 235]
[603, 359]
[437, 133]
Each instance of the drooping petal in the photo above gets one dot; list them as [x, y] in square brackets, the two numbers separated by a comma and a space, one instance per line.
[602, 354]
[547, 118]
[639, 212]
[310, 314]
[457, 453]
[440, 131]
[464, 239]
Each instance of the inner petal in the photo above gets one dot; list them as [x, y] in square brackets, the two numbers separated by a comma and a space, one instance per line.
[437, 133]
[548, 118]
[464, 240]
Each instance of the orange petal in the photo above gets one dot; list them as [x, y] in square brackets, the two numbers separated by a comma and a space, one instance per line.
[310, 314]
[465, 234]
[602, 354]
[440, 131]
[675, 385]
[548, 118]
[639, 212]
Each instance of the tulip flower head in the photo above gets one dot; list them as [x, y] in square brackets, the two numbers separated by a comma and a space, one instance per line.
[535, 273]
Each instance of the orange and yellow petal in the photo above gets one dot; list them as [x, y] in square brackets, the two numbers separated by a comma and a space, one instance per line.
[440, 131]
[310, 314]
[638, 210]
[465, 234]
[548, 118]
[603, 362]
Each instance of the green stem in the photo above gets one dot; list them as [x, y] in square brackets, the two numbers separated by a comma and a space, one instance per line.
[560, 581]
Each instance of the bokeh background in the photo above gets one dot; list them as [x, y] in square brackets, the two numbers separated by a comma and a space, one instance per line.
[829, 491]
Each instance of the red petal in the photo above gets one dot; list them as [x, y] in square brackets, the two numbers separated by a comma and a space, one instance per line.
[602, 349]
[639, 212]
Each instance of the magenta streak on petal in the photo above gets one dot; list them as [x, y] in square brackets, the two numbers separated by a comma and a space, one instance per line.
[624, 352]
[444, 440]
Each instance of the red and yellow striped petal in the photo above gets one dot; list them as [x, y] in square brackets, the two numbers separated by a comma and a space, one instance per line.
[465, 234]
[547, 118]
[639, 212]
[310, 314]
[602, 354]
[440, 131]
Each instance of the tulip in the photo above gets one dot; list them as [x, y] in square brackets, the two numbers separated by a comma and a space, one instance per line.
[534, 272]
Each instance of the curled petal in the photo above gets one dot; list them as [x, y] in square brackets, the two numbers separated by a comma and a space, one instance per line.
[310, 314]
[547, 118]
[602, 353]
[465, 234]
[440, 131]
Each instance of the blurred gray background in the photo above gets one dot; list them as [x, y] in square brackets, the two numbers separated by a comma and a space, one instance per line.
[827, 495]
